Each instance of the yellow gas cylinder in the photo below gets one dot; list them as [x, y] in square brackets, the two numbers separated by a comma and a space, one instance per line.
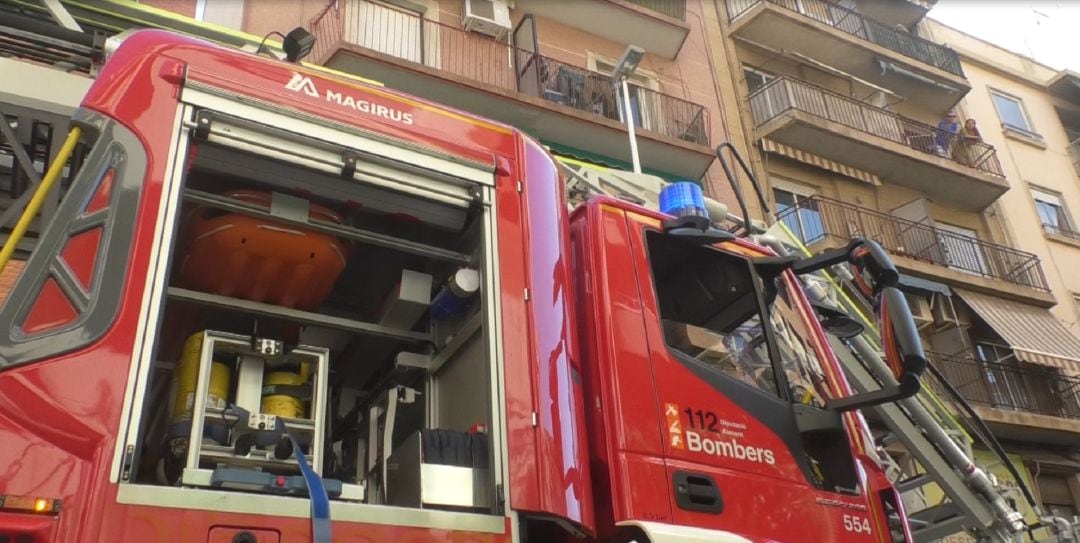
[284, 404]
[186, 377]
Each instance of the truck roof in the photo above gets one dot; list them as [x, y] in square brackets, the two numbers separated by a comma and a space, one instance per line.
[153, 65]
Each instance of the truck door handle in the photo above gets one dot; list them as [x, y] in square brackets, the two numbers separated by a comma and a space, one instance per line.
[697, 492]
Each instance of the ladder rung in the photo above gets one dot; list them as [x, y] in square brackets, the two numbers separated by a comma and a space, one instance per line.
[938, 530]
[937, 514]
[912, 483]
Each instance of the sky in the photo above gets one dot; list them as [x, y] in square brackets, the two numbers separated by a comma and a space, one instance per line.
[1046, 30]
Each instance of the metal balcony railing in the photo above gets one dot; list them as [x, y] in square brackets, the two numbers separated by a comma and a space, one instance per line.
[676, 9]
[1017, 386]
[787, 94]
[475, 57]
[863, 27]
[1074, 154]
[818, 218]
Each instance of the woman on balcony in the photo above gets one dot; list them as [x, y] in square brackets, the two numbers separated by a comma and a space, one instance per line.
[968, 146]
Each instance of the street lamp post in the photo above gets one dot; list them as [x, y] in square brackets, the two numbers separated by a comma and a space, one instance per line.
[626, 66]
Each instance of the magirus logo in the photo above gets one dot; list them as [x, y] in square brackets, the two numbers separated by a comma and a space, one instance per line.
[300, 83]
[304, 84]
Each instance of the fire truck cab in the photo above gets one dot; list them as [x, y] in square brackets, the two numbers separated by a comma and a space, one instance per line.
[280, 305]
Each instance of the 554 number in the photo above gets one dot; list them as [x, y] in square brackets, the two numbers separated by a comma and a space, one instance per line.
[859, 525]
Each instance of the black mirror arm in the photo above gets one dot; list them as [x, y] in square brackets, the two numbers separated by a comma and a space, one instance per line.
[825, 259]
[696, 230]
[908, 386]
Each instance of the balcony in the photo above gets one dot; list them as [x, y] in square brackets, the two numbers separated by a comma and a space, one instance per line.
[923, 250]
[897, 12]
[922, 71]
[1074, 154]
[658, 26]
[963, 174]
[545, 97]
[1017, 393]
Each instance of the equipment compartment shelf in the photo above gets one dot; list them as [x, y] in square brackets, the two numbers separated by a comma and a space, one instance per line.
[343, 231]
[295, 315]
[298, 425]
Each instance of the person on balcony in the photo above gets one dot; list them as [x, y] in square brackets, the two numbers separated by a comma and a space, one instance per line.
[946, 132]
[967, 147]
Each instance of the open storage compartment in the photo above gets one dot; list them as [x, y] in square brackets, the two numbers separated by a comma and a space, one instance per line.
[328, 297]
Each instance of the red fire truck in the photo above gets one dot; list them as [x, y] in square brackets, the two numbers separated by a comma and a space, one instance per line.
[282, 306]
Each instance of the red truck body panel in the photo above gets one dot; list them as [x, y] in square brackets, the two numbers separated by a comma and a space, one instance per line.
[59, 418]
[635, 391]
[588, 379]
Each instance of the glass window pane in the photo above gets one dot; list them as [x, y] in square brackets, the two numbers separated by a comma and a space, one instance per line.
[709, 311]
[1010, 112]
[812, 226]
[784, 199]
[1048, 213]
[708, 308]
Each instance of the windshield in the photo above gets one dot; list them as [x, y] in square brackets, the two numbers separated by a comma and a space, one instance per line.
[710, 313]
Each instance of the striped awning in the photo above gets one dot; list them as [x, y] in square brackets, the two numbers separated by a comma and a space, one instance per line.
[1034, 334]
[787, 151]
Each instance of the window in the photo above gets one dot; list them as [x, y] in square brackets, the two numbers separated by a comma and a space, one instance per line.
[1011, 112]
[227, 13]
[1055, 495]
[797, 209]
[709, 310]
[755, 78]
[1051, 211]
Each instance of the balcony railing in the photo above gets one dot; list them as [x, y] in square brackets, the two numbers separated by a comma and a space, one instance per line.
[818, 218]
[407, 36]
[786, 94]
[860, 26]
[1017, 386]
[1074, 154]
[676, 9]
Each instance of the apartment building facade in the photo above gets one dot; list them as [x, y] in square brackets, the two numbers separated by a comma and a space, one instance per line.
[1030, 112]
[846, 108]
[545, 67]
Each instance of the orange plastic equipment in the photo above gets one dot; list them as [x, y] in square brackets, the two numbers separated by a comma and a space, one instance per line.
[257, 259]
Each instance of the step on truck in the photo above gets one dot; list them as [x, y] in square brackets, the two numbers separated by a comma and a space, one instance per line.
[280, 306]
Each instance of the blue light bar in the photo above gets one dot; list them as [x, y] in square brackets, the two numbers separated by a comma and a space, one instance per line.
[683, 199]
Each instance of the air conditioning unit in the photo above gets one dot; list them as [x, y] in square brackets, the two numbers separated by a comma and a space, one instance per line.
[488, 17]
[945, 314]
[920, 310]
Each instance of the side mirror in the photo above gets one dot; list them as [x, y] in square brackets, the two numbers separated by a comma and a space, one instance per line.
[876, 276]
[900, 336]
[903, 354]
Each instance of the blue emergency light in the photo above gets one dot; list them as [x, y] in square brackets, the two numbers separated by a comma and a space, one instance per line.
[683, 199]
